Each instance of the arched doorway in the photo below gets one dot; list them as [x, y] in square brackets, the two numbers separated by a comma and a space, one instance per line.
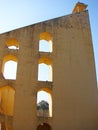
[44, 103]
[44, 126]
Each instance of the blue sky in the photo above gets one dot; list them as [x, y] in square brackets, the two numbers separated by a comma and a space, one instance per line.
[19, 13]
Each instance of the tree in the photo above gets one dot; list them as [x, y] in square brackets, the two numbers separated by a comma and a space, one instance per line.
[43, 105]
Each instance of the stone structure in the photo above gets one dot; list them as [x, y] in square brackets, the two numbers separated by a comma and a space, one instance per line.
[72, 83]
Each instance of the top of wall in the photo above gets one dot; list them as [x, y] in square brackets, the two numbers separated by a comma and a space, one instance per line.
[50, 20]
[78, 9]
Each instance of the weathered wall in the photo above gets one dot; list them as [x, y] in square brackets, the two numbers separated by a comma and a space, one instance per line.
[74, 91]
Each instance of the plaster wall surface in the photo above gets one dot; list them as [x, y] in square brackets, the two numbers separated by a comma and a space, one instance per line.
[74, 86]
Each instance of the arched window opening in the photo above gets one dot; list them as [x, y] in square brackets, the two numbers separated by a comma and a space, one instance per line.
[9, 67]
[13, 47]
[45, 69]
[44, 72]
[44, 104]
[45, 42]
[12, 43]
[7, 100]
[44, 46]
[44, 126]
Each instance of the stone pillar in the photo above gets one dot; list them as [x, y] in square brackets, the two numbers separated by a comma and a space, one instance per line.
[25, 97]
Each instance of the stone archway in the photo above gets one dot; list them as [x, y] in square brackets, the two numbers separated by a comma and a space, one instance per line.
[44, 126]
